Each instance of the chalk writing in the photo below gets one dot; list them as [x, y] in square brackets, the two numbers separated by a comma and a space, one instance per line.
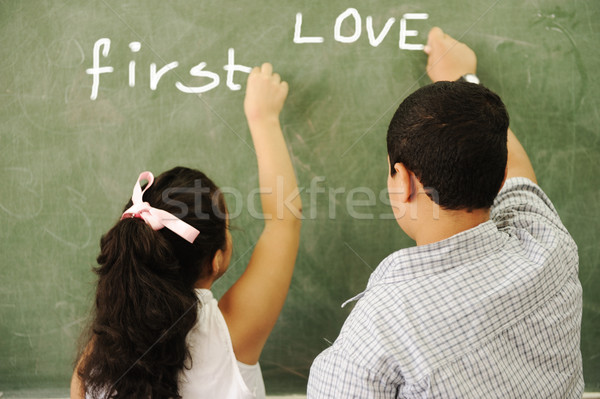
[102, 48]
[352, 14]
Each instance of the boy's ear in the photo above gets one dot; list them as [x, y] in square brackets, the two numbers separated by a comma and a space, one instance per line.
[403, 183]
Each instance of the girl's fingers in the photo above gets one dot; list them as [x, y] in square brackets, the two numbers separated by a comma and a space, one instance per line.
[267, 68]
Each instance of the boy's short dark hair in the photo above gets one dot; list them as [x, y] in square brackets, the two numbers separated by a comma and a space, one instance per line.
[452, 136]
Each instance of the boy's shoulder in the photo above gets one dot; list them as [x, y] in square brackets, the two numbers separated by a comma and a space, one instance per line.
[522, 204]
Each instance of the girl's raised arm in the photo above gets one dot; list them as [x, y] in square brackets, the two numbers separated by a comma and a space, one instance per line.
[252, 305]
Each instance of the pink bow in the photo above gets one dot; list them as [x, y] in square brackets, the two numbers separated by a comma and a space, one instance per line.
[157, 218]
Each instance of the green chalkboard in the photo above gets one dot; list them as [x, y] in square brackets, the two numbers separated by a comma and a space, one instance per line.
[69, 161]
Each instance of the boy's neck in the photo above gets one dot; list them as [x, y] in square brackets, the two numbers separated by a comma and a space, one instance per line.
[449, 223]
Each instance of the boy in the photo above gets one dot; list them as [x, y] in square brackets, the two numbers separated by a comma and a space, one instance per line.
[489, 303]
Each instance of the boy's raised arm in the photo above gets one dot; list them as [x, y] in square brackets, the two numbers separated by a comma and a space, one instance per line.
[449, 59]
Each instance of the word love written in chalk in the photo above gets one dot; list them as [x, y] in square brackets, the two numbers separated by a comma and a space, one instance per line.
[102, 46]
[374, 40]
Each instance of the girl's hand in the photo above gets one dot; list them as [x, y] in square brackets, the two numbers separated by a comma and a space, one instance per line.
[265, 94]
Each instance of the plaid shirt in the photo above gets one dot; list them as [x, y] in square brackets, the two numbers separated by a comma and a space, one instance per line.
[494, 311]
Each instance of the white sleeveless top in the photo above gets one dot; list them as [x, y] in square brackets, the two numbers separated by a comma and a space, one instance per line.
[215, 372]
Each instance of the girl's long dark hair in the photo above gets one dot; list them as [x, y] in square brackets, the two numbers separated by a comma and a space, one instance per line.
[145, 299]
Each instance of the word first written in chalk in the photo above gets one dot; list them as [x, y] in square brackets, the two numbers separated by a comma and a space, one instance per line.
[103, 45]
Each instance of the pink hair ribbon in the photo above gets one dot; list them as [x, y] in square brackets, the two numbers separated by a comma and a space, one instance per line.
[157, 218]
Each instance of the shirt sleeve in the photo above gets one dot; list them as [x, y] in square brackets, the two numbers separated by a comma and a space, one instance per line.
[522, 204]
[334, 375]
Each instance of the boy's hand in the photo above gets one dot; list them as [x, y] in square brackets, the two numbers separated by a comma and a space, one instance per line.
[448, 59]
[265, 94]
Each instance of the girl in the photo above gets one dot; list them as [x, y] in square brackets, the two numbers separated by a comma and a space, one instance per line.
[157, 331]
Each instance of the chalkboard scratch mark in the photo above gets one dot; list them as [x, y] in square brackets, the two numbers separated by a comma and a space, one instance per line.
[578, 62]
[60, 239]
[75, 196]
[288, 369]
[370, 128]
[28, 336]
[300, 139]
[557, 27]
[26, 182]
[359, 257]
[74, 322]
[80, 50]
[336, 123]
[585, 217]
[592, 307]
[26, 115]
[501, 39]
[303, 165]
[64, 53]
[312, 127]
[227, 125]
[259, 38]
[63, 328]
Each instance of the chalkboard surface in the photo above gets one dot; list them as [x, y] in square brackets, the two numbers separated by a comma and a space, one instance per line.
[94, 92]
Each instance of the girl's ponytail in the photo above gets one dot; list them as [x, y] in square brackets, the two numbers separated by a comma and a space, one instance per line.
[145, 299]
